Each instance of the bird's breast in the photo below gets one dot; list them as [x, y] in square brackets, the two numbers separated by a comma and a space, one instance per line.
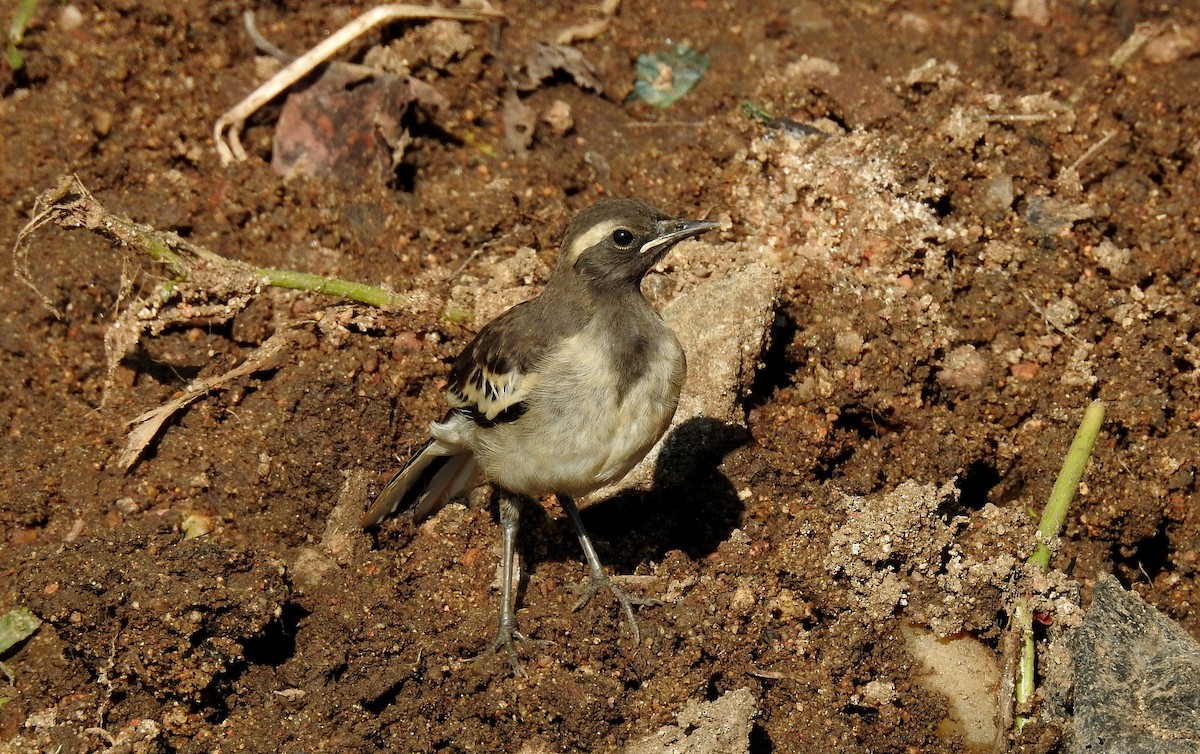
[603, 398]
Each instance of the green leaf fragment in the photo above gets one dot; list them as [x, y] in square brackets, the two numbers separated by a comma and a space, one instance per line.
[13, 56]
[663, 78]
[16, 626]
[16, 34]
[757, 113]
[458, 316]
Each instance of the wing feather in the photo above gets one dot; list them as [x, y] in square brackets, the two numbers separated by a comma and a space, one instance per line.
[496, 373]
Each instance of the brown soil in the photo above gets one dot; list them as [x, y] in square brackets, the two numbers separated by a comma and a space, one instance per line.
[934, 328]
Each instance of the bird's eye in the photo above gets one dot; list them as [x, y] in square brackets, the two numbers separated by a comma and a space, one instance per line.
[622, 237]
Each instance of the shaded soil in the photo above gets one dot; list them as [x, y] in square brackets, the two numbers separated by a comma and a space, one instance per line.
[955, 293]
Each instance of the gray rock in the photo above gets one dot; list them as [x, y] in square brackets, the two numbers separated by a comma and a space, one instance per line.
[1137, 679]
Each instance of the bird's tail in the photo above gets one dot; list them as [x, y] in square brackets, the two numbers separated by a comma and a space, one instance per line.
[431, 479]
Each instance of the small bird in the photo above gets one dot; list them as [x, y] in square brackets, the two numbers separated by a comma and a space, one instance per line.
[562, 394]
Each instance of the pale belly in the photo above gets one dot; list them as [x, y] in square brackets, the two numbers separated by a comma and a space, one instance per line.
[579, 433]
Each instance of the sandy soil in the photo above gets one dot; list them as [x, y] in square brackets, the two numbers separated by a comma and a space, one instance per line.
[961, 277]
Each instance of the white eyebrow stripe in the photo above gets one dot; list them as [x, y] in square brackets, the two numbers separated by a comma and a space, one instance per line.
[590, 238]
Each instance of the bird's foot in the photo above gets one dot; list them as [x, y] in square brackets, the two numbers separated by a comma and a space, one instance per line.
[628, 601]
[505, 641]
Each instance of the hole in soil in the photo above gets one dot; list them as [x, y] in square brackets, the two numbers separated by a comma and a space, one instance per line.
[760, 740]
[1147, 556]
[277, 644]
[870, 713]
[216, 706]
[854, 429]
[777, 369]
[829, 466]
[941, 206]
[405, 178]
[420, 125]
[975, 484]
[386, 699]
[712, 691]
[866, 423]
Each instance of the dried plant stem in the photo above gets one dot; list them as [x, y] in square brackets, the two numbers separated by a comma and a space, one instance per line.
[70, 205]
[226, 131]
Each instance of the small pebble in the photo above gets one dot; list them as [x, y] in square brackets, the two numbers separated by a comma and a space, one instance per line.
[1024, 371]
[196, 525]
[558, 117]
[70, 18]
[1036, 12]
[1176, 44]
[964, 369]
[1000, 193]
[126, 506]
[370, 363]
[101, 123]
[404, 344]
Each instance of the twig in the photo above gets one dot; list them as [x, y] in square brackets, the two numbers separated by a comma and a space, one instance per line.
[1091, 151]
[590, 29]
[1142, 33]
[1053, 516]
[230, 124]
[146, 427]
[71, 206]
[1019, 117]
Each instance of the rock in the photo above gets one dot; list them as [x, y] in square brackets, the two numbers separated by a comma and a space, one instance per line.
[1137, 679]
[718, 727]
[342, 541]
[1036, 12]
[965, 671]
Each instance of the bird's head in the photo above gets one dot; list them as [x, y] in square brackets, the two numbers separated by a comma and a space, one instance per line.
[617, 241]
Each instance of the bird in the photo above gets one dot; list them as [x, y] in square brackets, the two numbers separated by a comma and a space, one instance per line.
[561, 395]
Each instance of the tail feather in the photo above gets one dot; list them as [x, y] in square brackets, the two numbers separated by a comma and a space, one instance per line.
[453, 476]
[431, 479]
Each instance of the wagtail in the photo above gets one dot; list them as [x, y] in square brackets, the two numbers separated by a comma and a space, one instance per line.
[562, 394]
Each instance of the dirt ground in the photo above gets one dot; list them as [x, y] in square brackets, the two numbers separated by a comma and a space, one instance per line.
[962, 275]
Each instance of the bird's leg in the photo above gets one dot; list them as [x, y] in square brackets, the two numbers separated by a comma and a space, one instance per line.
[598, 579]
[510, 520]
[507, 633]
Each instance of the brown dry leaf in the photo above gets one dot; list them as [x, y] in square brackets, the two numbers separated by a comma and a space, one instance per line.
[346, 125]
[520, 122]
[547, 59]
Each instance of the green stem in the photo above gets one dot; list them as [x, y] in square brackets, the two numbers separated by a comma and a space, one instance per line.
[303, 281]
[162, 247]
[16, 33]
[1055, 512]
[1053, 516]
[1023, 617]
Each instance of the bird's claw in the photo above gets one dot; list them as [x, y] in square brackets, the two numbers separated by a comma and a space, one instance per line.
[504, 642]
[628, 601]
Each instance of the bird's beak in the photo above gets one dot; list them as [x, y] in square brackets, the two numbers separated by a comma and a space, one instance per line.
[670, 232]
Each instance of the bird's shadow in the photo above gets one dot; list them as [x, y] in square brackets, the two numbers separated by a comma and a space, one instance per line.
[691, 506]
